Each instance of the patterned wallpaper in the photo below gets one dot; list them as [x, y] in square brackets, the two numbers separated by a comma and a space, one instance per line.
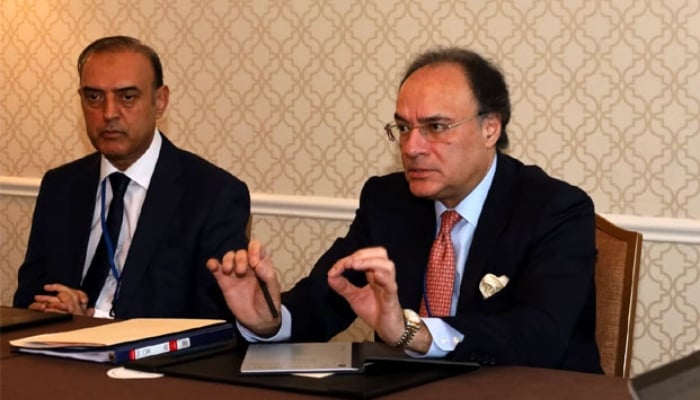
[291, 96]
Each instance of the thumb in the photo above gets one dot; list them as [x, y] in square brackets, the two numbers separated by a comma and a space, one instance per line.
[341, 285]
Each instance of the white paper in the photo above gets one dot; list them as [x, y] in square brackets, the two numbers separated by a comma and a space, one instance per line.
[113, 333]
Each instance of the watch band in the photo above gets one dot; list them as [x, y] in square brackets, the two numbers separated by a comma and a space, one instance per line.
[412, 324]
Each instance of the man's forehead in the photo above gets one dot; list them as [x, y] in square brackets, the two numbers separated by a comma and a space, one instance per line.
[435, 89]
[116, 70]
[439, 76]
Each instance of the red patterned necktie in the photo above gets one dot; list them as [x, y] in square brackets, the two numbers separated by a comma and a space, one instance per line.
[441, 270]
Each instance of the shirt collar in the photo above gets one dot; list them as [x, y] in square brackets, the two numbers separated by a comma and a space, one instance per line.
[141, 171]
[470, 206]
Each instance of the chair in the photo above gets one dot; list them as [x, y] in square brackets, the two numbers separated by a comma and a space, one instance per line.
[616, 276]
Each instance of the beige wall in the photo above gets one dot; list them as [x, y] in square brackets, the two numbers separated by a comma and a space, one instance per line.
[291, 97]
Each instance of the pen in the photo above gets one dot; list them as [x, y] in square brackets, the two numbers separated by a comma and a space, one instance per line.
[268, 298]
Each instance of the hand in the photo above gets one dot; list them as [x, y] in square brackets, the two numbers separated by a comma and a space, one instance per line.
[237, 275]
[377, 303]
[66, 300]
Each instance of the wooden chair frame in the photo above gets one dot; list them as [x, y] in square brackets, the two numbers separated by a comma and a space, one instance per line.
[616, 309]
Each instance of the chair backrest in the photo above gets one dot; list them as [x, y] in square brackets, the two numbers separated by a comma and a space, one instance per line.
[616, 276]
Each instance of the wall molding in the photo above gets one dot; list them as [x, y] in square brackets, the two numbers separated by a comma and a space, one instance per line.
[654, 229]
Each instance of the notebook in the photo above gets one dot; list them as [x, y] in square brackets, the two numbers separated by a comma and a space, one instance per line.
[279, 358]
[386, 372]
[17, 318]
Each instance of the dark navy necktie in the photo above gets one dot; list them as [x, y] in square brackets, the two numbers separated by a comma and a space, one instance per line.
[100, 264]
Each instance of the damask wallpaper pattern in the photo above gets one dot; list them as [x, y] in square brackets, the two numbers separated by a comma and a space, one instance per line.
[291, 96]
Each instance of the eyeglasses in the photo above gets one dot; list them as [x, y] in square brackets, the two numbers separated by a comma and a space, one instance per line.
[432, 131]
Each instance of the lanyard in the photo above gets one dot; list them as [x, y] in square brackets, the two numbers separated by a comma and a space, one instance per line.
[109, 246]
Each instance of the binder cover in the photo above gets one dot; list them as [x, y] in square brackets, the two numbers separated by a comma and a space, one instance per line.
[386, 370]
[119, 342]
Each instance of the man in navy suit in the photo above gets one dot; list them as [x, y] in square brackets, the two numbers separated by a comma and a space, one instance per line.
[524, 244]
[179, 209]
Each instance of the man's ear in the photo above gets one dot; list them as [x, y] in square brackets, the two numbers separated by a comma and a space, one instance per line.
[491, 128]
[162, 98]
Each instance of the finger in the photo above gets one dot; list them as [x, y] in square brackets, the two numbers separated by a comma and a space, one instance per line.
[68, 294]
[341, 285]
[213, 265]
[256, 252]
[336, 280]
[55, 287]
[46, 299]
[361, 259]
[228, 262]
[370, 266]
[37, 306]
[82, 297]
[254, 248]
[340, 266]
[65, 298]
[241, 263]
[371, 252]
[49, 303]
[264, 268]
[70, 300]
[377, 265]
[221, 279]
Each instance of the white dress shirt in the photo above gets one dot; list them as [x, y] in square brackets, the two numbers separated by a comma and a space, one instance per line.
[140, 173]
[445, 337]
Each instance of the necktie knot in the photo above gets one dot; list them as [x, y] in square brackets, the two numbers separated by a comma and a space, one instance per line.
[448, 219]
[119, 184]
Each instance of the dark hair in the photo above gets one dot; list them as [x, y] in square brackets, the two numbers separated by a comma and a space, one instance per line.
[119, 43]
[484, 78]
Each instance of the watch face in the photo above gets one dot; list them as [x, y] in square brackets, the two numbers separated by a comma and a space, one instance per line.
[411, 317]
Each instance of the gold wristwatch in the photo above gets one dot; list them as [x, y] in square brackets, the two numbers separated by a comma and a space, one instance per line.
[412, 323]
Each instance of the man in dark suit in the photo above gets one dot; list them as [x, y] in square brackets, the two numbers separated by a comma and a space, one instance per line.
[178, 209]
[522, 249]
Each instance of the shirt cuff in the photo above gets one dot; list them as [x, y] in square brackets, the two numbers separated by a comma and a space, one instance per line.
[445, 339]
[283, 334]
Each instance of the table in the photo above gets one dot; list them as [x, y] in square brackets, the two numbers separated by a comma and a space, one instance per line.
[78, 322]
[25, 376]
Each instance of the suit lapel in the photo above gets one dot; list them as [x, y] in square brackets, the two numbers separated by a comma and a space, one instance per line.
[161, 201]
[493, 219]
[82, 207]
[411, 257]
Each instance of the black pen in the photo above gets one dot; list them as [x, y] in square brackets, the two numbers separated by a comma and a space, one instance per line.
[268, 298]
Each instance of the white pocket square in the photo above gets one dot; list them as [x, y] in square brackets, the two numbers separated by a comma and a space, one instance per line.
[491, 284]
